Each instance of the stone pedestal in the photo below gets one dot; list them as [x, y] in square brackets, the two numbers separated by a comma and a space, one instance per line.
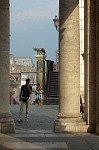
[6, 121]
[70, 124]
[41, 73]
[69, 118]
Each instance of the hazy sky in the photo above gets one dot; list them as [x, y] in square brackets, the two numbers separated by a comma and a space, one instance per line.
[31, 25]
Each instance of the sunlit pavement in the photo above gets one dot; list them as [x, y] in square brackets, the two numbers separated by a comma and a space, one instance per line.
[37, 133]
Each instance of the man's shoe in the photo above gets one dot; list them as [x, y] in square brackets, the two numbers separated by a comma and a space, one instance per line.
[20, 120]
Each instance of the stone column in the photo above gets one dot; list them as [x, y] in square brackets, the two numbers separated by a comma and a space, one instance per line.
[69, 118]
[97, 66]
[90, 63]
[6, 121]
[41, 73]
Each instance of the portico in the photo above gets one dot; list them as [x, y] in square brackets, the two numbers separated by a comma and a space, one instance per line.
[69, 118]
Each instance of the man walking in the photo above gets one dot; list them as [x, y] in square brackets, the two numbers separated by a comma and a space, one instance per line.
[26, 90]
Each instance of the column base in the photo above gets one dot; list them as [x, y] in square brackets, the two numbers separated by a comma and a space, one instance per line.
[97, 128]
[70, 126]
[7, 125]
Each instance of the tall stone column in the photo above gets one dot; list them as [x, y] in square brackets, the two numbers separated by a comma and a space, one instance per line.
[90, 63]
[97, 66]
[41, 73]
[69, 118]
[6, 121]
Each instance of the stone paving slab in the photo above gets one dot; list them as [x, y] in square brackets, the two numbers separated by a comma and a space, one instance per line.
[38, 133]
[8, 142]
[76, 142]
[49, 141]
[28, 135]
[50, 145]
[11, 143]
[81, 148]
[40, 141]
[59, 135]
[20, 130]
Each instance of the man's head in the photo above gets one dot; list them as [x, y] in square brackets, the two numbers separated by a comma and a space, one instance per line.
[27, 81]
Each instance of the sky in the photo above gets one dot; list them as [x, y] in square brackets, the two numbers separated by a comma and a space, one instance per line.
[31, 26]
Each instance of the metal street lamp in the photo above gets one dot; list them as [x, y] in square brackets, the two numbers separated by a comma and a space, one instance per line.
[56, 23]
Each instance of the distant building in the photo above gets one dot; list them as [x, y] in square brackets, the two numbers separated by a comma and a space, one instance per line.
[27, 72]
[23, 61]
[14, 90]
[21, 68]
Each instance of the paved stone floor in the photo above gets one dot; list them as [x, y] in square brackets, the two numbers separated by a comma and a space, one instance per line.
[37, 134]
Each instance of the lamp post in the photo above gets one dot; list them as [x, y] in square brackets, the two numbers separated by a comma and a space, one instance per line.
[56, 23]
[40, 57]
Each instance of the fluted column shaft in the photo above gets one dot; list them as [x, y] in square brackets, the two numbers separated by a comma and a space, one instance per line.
[6, 122]
[69, 57]
[69, 118]
[90, 62]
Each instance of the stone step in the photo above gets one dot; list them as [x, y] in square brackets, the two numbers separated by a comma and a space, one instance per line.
[54, 86]
[53, 96]
[54, 93]
[28, 141]
[54, 77]
[54, 90]
[52, 101]
[54, 83]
